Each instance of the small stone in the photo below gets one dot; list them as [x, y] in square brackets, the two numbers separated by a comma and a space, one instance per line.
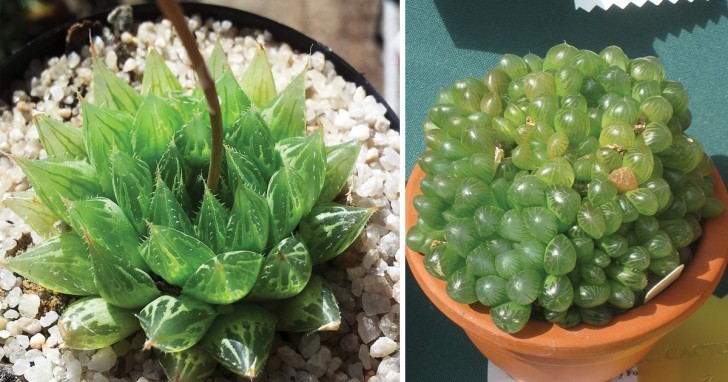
[29, 325]
[111, 59]
[48, 319]
[382, 347]
[13, 297]
[317, 365]
[98, 377]
[23, 341]
[368, 327]
[11, 314]
[309, 345]
[28, 305]
[290, 357]
[37, 341]
[375, 303]
[3, 323]
[41, 371]
[56, 93]
[359, 132]
[21, 366]
[349, 342]
[73, 59]
[129, 65]
[7, 279]
[103, 360]
[73, 370]
[355, 371]
[364, 357]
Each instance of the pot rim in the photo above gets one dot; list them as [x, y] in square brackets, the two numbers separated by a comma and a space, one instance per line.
[53, 43]
[651, 320]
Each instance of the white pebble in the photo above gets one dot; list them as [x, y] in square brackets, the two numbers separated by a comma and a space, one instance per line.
[56, 93]
[48, 319]
[28, 305]
[103, 360]
[368, 327]
[375, 303]
[73, 370]
[41, 371]
[129, 65]
[111, 59]
[21, 366]
[23, 341]
[382, 347]
[37, 341]
[13, 297]
[73, 60]
[359, 132]
[290, 357]
[11, 314]
[7, 279]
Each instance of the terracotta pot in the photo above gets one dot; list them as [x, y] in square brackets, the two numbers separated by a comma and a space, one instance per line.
[545, 352]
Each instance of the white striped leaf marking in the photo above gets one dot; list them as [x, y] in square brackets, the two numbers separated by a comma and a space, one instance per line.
[211, 224]
[307, 155]
[340, 160]
[286, 270]
[285, 197]
[314, 309]
[249, 134]
[226, 278]
[249, 225]
[60, 138]
[132, 183]
[91, 323]
[154, 126]
[191, 365]
[175, 323]
[330, 228]
[111, 91]
[286, 114]
[29, 207]
[174, 255]
[258, 82]
[158, 79]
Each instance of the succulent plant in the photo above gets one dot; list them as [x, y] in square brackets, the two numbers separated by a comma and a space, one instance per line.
[130, 224]
[556, 186]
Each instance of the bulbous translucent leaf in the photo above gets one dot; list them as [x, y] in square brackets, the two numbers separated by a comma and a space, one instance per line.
[528, 191]
[241, 340]
[194, 140]
[66, 267]
[643, 200]
[174, 255]
[132, 184]
[524, 287]
[590, 295]
[158, 79]
[512, 226]
[461, 234]
[250, 135]
[54, 179]
[103, 129]
[242, 171]
[60, 138]
[491, 290]
[639, 159]
[105, 224]
[665, 265]
[217, 63]
[249, 224]
[613, 216]
[560, 257]
[614, 245]
[211, 222]
[285, 198]
[154, 126]
[111, 91]
[563, 202]
[174, 324]
[442, 262]
[28, 206]
[461, 287]
[225, 278]
[684, 154]
[557, 293]
[556, 171]
[713, 207]
[571, 318]
[118, 281]
[511, 317]
[166, 211]
[92, 323]
[472, 194]
[233, 101]
[633, 279]
[331, 228]
[191, 365]
[487, 219]
[591, 219]
[659, 245]
[307, 155]
[340, 161]
[430, 209]
[656, 136]
[636, 257]
[615, 56]
[314, 309]
[285, 272]
[258, 81]
[601, 191]
[541, 223]
[481, 262]
[285, 114]
[621, 296]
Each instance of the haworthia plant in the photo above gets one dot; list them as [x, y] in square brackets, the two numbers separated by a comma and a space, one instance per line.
[209, 276]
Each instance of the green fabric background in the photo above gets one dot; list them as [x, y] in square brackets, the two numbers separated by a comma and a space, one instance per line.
[450, 39]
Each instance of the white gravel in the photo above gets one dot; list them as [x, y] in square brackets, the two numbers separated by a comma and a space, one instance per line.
[365, 279]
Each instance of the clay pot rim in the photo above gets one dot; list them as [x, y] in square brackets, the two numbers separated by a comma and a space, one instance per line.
[653, 319]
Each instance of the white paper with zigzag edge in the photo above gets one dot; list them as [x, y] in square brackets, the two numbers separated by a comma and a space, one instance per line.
[588, 5]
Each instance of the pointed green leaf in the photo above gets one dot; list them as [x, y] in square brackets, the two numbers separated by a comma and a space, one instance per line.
[191, 365]
[158, 79]
[258, 81]
[175, 171]
[286, 270]
[173, 255]
[132, 183]
[154, 126]
[286, 201]
[330, 228]
[91, 323]
[175, 323]
[29, 207]
[232, 99]
[314, 309]
[194, 141]
[103, 129]
[243, 171]
[307, 155]
[58, 138]
[120, 283]
[250, 135]
[340, 161]
[249, 224]
[111, 91]
[241, 341]
[56, 178]
[166, 210]
[286, 114]
[66, 267]
[217, 63]
[188, 105]
[211, 224]
[226, 278]
[106, 224]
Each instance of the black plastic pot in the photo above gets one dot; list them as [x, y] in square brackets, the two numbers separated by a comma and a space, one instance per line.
[54, 44]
